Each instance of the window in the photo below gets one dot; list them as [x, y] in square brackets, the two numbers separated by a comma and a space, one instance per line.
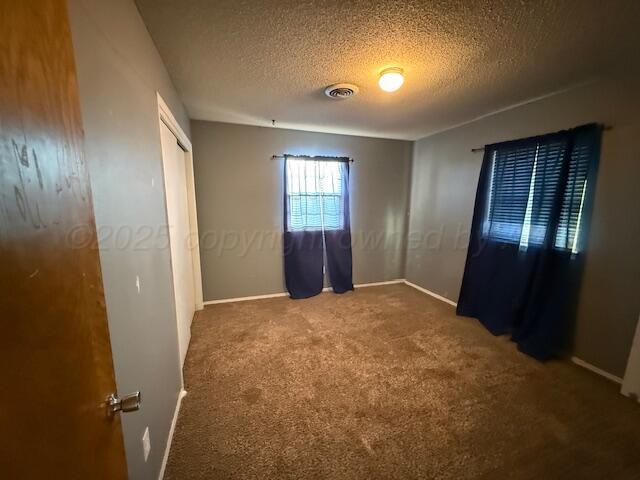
[314, 194]
[525, 180]
[568, 233]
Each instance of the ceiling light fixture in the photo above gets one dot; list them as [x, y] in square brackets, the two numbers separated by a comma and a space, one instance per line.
[391, 79]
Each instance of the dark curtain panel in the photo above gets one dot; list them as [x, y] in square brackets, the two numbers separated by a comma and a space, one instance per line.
[525, 257]
[338, 241]
[303, 263]
[316, 219]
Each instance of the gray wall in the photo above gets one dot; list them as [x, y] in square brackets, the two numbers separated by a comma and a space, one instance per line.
[239, 195]
[444, 181]
[119, 71]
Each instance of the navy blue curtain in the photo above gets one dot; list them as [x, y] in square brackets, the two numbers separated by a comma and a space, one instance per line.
[528, 237]
[303, 263]
[316, 222]
[338, 241]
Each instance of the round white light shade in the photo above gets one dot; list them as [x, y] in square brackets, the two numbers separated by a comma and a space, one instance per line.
[391, 79]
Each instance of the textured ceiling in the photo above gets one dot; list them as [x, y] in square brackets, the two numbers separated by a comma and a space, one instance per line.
[250, 61]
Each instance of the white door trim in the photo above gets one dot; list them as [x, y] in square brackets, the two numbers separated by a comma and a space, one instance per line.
[170, 121]
[631, 382]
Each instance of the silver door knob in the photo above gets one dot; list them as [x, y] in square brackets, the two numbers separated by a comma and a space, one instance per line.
[128, 403]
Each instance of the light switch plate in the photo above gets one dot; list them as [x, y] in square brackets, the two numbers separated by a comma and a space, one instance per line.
[146, 443]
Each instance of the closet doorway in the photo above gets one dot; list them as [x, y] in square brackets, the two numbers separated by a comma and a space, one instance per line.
[177, 164]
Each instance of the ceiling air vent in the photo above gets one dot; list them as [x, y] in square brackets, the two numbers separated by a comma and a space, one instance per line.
[341, 90]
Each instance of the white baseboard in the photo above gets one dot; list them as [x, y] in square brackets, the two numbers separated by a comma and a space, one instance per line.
[167, 449]
[597, 370]
[377, 284]
[575, 360]
[285, 294]
[433, 294]
[244, 299]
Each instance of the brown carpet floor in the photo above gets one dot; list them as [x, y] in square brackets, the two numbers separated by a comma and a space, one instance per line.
[386, 382]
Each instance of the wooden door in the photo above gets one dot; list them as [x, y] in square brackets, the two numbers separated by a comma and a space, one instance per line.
[56, 357]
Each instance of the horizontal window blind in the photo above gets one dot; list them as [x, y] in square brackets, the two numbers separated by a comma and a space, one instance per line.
[525, 182]
[510, 181]
[545, 183]
[573, 201]
[314, 195]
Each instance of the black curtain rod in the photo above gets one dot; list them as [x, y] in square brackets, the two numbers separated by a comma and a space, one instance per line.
[481, 149]
[318, 158]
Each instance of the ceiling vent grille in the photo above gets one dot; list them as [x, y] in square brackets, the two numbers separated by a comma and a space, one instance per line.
[341, 90]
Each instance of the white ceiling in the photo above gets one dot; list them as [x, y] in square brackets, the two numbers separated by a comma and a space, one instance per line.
[250, 61]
